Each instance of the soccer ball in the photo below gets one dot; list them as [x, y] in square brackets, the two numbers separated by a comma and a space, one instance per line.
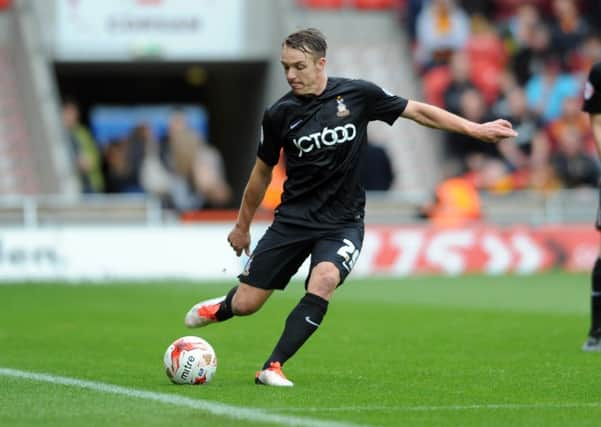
[190, 360]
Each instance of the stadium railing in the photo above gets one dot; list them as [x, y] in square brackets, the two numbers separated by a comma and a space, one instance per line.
[58, 210]
[520, 207]
[391, 207]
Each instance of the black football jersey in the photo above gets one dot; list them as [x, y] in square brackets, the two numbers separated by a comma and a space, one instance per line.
[324, 139]
[592, 91]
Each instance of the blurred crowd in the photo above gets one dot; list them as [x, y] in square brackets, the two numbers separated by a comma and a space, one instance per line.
[182, 169]
[522, 60]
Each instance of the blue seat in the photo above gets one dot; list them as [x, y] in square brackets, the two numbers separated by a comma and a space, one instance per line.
[109, 122]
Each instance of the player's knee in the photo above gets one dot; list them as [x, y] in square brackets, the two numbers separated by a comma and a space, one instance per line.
[324, 279]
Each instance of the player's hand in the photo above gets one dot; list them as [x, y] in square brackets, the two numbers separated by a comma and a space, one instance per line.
[239, 240]
[495, 131]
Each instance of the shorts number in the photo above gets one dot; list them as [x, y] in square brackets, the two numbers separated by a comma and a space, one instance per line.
[350, 254]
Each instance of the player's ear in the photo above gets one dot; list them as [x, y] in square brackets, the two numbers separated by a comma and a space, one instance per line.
[321, 63]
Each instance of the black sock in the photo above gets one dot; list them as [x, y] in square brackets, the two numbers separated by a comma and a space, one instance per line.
[596, 300]
[225, 310]
[300, 325]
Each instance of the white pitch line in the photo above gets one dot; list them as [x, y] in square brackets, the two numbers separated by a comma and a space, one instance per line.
[483, 406]
[215, 408]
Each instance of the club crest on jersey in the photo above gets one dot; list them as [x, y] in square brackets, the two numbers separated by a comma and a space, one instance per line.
[343, 111]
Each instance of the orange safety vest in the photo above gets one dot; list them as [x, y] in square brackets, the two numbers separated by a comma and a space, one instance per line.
[457, 202]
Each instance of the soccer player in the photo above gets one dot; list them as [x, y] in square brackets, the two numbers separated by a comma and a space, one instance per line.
[592, 105]
[321, 124]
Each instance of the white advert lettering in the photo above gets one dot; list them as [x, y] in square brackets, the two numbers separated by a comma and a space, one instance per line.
[327, 137]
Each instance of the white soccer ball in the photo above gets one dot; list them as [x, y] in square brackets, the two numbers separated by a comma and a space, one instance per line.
[190, 360]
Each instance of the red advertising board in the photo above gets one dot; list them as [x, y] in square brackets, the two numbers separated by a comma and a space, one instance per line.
[480, 249]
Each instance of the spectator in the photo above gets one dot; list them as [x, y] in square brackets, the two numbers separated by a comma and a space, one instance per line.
[84, 150]
[587, 54]
[568, 28]
[488, 57]
[153, 175]
[488, 173]
[198, 178]
[456, 201]
[577, 121]
[547, 90]
[135, 147]
[507, 83]
[520, 28]
[123, 159]
[573, 166]
[210, 177]
[116, 167]
[460, 81]
[442, 27]
[530, 57]
[592, 11]
[378, 174]
[517, 151]
[472, 107]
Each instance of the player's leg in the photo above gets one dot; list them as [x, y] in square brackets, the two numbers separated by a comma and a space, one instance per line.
[278, 255]
[301, 323]
[332, 259]
[241, 300]
[593, 341]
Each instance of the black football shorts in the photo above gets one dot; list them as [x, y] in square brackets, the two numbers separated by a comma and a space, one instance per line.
[284, 247]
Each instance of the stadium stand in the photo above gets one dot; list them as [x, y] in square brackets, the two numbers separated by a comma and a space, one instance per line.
[543, 48]
[16, 166]
[366, 41]
[30, 119]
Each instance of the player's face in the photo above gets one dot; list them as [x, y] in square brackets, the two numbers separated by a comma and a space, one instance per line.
[303, 71]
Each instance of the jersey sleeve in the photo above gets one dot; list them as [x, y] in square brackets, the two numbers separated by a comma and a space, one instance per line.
[382, 105]
[269, 144]
[592, 91]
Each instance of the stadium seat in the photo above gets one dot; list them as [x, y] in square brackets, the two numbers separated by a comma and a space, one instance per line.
[488, 48]
[486, 78]
[321, 4]
[435, 82]
[111, 122]
[374, 4]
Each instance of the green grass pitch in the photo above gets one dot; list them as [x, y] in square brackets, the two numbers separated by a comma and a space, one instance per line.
[429, 351]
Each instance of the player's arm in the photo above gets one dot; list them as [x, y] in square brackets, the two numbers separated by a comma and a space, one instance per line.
[434, 117]
[596, 125]
[257, 184]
